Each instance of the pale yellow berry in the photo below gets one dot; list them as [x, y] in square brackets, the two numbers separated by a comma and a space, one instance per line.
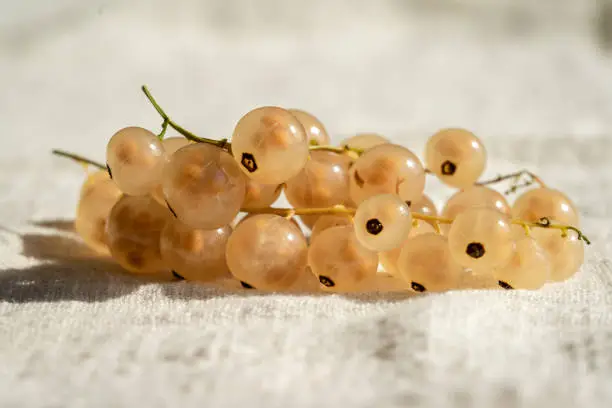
[382, 222]
[529, 266]
[565, 253]
[456, 157]
[133, 232]
[481, 239]
[387, 169]
[267, 252]
[203, 186]
[93, 179]
[259, 195]
[327, 221]
[427, 264]
[545, 203]
[98, 196]
[473, 197]
[424, 205]
[388, 259]
[340, 262]
[172, 144]
[270, 145]
[323, 182]
[135, 158]
[195, 254]
[306, 282]
[317, 135]
[364, 141]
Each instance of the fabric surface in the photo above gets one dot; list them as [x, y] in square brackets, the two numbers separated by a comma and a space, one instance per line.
[76, 332]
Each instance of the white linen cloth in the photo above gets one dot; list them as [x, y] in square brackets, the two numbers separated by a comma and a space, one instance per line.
[77, 333]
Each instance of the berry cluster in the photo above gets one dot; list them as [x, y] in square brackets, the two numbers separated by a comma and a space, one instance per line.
[173, 204]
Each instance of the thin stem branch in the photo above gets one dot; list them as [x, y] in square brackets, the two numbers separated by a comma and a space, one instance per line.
[223, 143]
[339, 209]
[284, 212]
[163, 131]
[432, 218]
[79, 159]
[515, 177]
[189, 135]
[545, 223]
[334, 149]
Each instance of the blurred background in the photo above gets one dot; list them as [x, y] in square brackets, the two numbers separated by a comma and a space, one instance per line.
[70, 70]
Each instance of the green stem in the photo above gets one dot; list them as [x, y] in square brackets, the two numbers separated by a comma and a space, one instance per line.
[78, 158]
[515, 177]
[219, 143]
[162, 134]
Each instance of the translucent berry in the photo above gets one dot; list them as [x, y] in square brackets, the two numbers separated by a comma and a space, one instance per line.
[171, 145]
[529, 266]
[364, 141]
[93, 179]
[323, 182]
[481, 239]
[98, 196]
[474, 197]
[306, 282]
[327, 221]
[267, 252]
[270, 145]
[259, 195]
[545, 202]
[293, 220]
[456, 157]
[388, 259]
[424, 206]
[133, 233]
[385, 282]
[382, 222]
[387, 169]
[471, 280]
[317, 135]
[378, 282]
[566, 254]
[195, 254]
[135, 158]
[425, 262]
[340, 262]
[203, 186]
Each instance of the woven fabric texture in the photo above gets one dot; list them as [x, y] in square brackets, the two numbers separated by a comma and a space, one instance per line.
[76, 332]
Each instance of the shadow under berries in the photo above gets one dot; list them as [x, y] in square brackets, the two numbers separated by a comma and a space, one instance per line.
[67, 270]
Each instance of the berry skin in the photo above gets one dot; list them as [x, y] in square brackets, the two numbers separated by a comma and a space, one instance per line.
[135, 158]
[270, 145]
[481, 239]
[456, 157]
[382, 222]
